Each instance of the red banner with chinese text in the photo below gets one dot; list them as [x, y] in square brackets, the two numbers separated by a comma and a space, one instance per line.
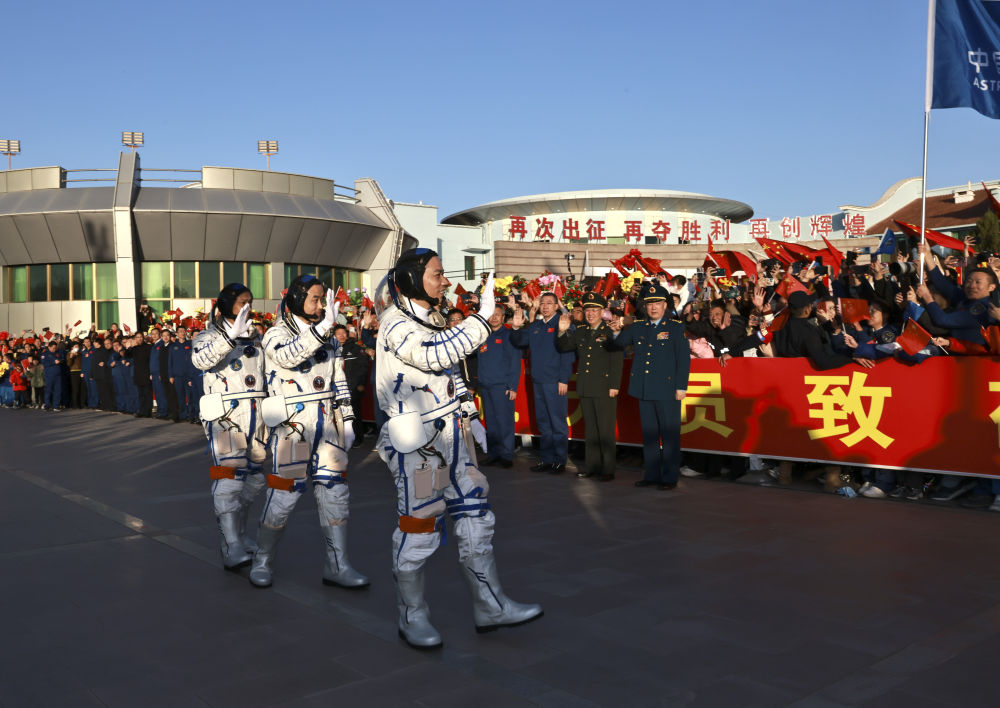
[942, 415]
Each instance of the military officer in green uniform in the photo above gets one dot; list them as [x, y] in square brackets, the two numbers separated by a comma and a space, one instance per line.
[661, 361]
[598, 376]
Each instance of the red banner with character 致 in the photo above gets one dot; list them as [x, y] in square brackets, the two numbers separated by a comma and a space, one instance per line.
[943, 415]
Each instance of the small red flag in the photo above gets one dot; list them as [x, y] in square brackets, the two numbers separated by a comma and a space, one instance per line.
[341, 296]
[992, 336]
[780, 320]
[366, 302]
[559, 289]
[532, 290]
[935, 237]
[913, 338]
[462, 307]
[78, 323]
[48, 335]
[790, 284]
[126, 328]
[853, 310]
[459, 290]
[611, 283]
[838, 257]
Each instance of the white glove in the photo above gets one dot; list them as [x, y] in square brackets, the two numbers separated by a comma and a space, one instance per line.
[348, 435]
[239, 326]
[332, 306]
[487, 300]
[476, 427]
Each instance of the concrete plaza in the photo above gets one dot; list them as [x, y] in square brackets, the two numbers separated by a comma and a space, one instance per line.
[715, 594]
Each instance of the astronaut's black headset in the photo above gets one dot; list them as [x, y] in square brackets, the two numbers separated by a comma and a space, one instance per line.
[407, 278]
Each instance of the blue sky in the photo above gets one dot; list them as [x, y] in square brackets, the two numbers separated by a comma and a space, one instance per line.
[792, 107]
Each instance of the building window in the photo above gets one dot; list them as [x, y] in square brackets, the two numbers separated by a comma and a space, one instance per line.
[107, 281]
[155, 280]
[208, 279]
[59, 281]
[105, 313]
[232, 273]
[185, 280]
[38, 283]
[256, 279]
[83, 281]
[291, 273]
[18, 278]
[470, 267]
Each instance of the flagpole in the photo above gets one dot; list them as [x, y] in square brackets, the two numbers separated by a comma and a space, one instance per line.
[928, 97]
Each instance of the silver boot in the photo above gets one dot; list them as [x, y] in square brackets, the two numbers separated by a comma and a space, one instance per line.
[234, 555]
[414, 616]
[491, 609]
[248, 543]
[260, 571]
[337, 568]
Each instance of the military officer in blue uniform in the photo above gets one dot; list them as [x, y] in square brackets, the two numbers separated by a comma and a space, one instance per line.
[550, 372]
[598, 377]
[661, 361]
[52, 360]
[499, 375]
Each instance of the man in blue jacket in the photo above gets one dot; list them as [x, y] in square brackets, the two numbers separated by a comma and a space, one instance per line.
[971, 302]
[661, 362]
[52, 360]
[550, 372]
[87, 372]
[499, 375]
[182, 376]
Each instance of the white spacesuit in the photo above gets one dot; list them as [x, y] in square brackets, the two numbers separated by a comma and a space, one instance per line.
[308, 436]
[426, 445]
[229, 353]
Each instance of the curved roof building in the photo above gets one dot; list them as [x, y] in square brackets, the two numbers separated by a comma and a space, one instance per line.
[173, 237]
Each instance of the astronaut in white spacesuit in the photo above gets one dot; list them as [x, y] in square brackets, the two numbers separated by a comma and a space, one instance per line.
[228, 351]
[427, 444]
[308, 412]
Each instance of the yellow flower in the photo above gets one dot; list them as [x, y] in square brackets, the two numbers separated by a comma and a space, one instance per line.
[502, 285]
[630, 281]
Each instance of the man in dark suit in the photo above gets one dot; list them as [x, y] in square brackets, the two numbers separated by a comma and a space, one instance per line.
[356, 366]
[661, 361]
[140, 354]
[598, 377]
[802, 336]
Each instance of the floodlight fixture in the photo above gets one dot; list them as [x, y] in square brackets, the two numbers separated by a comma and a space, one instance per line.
[10, 148]
[267, 148]
[132, 139]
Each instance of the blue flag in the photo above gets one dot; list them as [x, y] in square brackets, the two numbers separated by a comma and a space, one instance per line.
[887, 245]
[967, 55]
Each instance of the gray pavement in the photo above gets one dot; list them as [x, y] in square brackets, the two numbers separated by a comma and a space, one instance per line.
[716, 594]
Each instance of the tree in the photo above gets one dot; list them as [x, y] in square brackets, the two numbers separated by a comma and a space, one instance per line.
[987, 233]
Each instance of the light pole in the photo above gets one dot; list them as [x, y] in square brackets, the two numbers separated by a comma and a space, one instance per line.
[10, 148]
[132, 139]
[267, 148]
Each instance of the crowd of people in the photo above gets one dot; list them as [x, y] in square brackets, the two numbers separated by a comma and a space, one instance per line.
[783, 309]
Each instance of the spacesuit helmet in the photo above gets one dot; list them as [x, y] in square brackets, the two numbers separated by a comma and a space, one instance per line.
[295, 296]
[227, 299]
[407, 276]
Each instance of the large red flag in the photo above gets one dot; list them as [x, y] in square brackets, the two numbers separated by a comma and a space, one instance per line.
[732, 261]
[853, 310]
[803, 252]
[935, 237]
[780, 320]
[711, 248]
[775, 249]
[838, 257]
[913, 338]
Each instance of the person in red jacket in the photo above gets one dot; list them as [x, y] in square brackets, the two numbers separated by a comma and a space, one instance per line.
[20, 384]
